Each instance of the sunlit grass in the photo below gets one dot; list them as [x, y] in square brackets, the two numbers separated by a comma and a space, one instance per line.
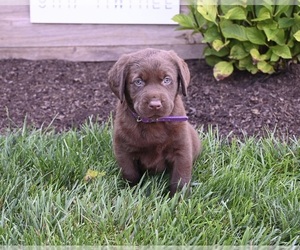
[245, 192]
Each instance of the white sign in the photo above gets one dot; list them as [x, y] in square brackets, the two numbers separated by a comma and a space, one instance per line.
[104, 11]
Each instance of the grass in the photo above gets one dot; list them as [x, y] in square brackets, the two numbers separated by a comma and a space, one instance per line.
[245, 192]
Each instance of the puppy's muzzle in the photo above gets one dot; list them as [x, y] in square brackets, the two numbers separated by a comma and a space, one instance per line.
[155, 104]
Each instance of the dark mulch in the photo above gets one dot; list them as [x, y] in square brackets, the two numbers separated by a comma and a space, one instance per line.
[64, 94]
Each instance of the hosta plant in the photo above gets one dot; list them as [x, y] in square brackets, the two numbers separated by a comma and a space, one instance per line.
[258, 38]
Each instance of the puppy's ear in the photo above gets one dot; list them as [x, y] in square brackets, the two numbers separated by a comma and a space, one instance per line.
[117, 77]
[183, 71]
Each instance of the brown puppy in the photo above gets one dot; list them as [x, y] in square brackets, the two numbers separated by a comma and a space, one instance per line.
[150, 128]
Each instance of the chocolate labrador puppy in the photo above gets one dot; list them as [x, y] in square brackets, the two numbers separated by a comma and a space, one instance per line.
[151, 131]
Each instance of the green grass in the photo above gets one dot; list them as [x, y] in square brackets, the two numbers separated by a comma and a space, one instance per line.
[245, 192]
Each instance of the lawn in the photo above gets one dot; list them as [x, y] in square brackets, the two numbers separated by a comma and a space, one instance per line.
[244, 192]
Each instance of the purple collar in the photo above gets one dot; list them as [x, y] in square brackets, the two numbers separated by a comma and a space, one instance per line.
[160, 119]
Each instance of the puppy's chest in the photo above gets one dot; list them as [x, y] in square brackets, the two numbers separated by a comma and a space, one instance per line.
[156, 135]
[154, 158]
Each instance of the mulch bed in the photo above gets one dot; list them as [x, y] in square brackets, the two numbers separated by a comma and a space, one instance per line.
[64, 94]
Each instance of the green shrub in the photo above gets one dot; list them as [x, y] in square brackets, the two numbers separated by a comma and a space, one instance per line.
[258, 38]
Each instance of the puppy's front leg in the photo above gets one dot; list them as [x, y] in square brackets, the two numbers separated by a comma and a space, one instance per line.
[129, 168]
[181, 174]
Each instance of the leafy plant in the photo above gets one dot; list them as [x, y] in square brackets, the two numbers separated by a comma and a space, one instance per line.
[258, 38]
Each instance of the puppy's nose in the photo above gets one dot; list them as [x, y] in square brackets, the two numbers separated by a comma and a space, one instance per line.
[155, 104]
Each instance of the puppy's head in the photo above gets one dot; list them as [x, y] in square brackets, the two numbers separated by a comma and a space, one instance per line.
[149, 80]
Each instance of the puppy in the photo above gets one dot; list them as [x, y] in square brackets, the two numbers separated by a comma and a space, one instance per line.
[151, 131]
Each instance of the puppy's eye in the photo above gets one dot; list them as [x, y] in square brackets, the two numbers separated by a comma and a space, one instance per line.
[139, 82]
[167, 81]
